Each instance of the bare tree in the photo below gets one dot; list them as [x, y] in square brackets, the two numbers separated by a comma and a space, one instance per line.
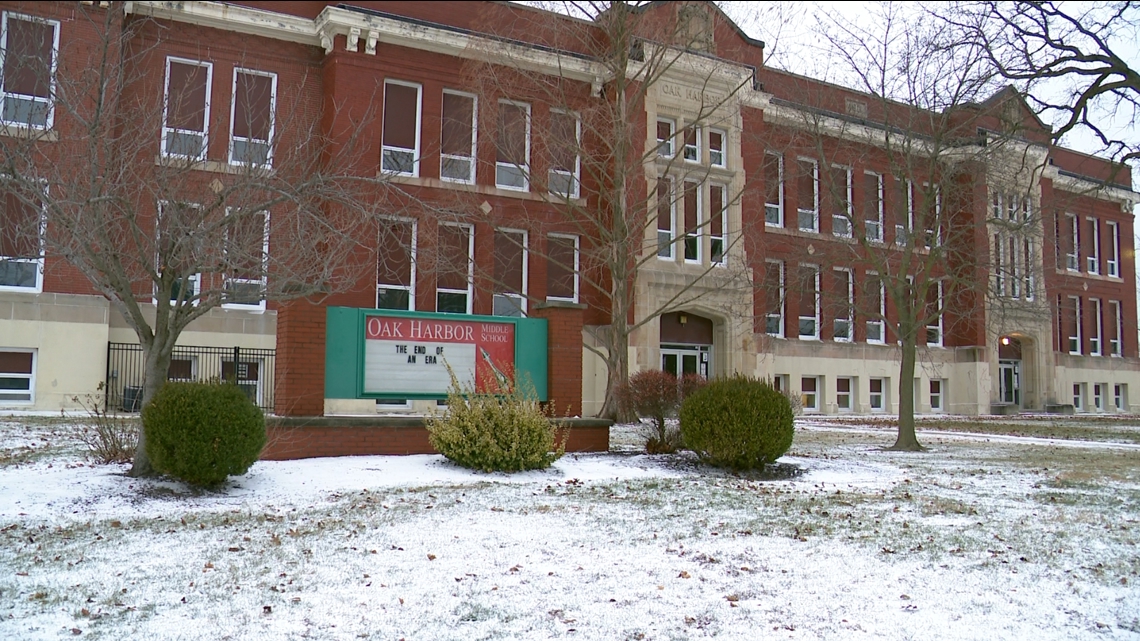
[599, 168]
[133, 196]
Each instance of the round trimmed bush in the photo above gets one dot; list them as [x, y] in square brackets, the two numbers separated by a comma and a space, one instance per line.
[737, 422]
[202, 432]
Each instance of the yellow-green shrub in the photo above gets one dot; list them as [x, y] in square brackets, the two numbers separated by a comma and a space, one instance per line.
[737, 422]
[202, 432]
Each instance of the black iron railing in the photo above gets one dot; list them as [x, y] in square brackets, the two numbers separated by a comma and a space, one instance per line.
[251, 369]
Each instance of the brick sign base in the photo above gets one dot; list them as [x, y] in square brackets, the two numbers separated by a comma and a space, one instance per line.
[310, 437]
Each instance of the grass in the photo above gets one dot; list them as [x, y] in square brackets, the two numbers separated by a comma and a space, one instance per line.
[1112, 428]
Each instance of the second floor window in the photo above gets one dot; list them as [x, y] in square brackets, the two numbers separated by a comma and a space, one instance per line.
[400, 150]
[562, 268]
[873, 206]
[396, 265]
[247, 255]
[1113, 258]
[457, 155]
[455, 263]
[840, 191]
[186, 118]
[512, 161]
[718, 236]
[251, 122]
[29, 49]
[21, 245]
[510, 273]
[692, 207]
[665, 217]
[807, 188]
[773, 190]
[565, 161]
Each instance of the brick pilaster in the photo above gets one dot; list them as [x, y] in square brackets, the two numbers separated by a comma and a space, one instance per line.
[300, 375]
[564, 354]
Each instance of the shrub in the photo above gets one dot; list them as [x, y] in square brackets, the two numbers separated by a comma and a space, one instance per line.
[108, 436]
[656, 395]
[202, 432]
[737, 422]
[505, 432]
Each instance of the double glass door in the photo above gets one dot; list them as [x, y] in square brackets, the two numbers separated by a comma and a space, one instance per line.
[1009, 382]
[679, 360]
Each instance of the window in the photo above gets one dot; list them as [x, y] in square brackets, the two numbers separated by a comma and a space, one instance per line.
[1072, 319]
[937, 391]
[692, 208]
[665, 138]
[716, 148]
[843, 394]
[840, 191]
[809, 393]
[183, 368]
[186, 117]
[512, 160]
[510, 273]
[247, 255]
[17, 377]
[21, 242]
[246, 374]
[999, 266]
[252, 117]
[808, 284]
[562, 268]
[400, 146]
[1113, 263]
[1071, 243]
[717, 236]
[665, 217]
[876, 304]
[780, 383]
[1079, 397]
[845, 298]
[1098, 397]
[454, 257]
[934, 309]
[457, 141]
[692, 144]
[1092, 261]
[1028, 267]
[773, 190]
[878, 394]
[873, 206]
[1115, 325]
[1120, 397]
[807, 186]
[29, 45]
[904, 221]
[396, 265]
[774, 298]
[931, 213]
[177, 225]
[565, 133]
[1094, 327]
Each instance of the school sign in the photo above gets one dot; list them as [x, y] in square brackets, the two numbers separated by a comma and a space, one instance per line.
[386, 354]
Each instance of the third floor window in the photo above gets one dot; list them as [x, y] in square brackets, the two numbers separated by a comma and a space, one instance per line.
[30, 46]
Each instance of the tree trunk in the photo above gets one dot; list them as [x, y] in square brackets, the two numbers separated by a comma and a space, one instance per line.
[156, 364]
[617, 373]
[907, 441]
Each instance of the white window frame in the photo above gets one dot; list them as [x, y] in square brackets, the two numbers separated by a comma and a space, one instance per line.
[31, 378]
[577, 266]
[1095, 347]
[723, 237]
[1028, 258]
[698, 232]
[850, 308]
[665, 147]
[1079, 390]
[190, 358]
[1073, 258]
[525, 166]
[939, 396]
[783, 300]
[519, 301]
[1116, 343]
[999, 265]
[903, 233]
[849, 218]
[263, 281]
[672, 232]
[940, 325]
[1120, 396]
[695, 150]
[849, 395]
[272, 120]
[816, 406]
[415, 151]
[878, 224]
[470, 180]
[575, 178]
[884, 385]
[814, 213]
[1092, 261]
[1098, 394]
[1076, 339]
[166, 131]
[470, 291]
[881, 321]
[411, 286]
[1112, 266]
[723, 148]
[932, 237]
[37, 262]
[816, 317]
[195, 278]
[779, 193]
[49, 120]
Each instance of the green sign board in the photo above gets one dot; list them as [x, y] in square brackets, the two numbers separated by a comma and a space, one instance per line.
[386, 354]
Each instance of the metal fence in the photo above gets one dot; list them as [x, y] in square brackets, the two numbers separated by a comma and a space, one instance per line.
[251, 369]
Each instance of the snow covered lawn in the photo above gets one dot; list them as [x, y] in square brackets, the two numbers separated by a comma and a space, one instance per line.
[984, 537]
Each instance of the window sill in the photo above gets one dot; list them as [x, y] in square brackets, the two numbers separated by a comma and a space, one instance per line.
[29, 133]
[487, 190]
[212, 166]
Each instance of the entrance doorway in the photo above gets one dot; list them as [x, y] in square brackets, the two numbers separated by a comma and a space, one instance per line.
[1009, 382]
[686, 344]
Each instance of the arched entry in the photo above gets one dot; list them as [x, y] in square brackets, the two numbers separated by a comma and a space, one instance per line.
[1016, 368]
[686, 344]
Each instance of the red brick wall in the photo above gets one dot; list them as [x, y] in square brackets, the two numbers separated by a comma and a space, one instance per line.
[300, 375]
[564, 354]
